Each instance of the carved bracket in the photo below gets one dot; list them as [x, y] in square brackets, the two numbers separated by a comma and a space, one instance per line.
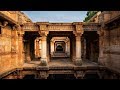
[43, 33]
[79, 74]
[5, 23]
[43, 27]
[43, 75]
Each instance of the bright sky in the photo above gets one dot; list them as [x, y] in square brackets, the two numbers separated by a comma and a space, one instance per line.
[56, 16]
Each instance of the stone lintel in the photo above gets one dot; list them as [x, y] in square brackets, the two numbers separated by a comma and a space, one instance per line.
[77, 23]
[42, 23]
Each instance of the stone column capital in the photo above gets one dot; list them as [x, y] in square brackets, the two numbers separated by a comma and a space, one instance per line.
[43, 33]
[16, 27]
[78, 33]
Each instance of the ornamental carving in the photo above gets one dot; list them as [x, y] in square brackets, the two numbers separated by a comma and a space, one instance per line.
[43, 75]
[78, 27]
[30, 27]
[43, 27]
[60, 27]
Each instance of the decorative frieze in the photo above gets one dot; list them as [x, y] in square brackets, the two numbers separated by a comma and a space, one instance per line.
[66, 27]
[90, 28]
[30, 27]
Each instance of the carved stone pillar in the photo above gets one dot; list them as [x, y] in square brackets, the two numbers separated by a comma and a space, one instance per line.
[14, 44]
[68, 50]
[44, 50]
[37, 48]
[84, 49]
[28, 58]
[43, 31]
[20, 46]
[101, 33]
[52, 47]
[78, 60]
[78, 33]
[67, 46]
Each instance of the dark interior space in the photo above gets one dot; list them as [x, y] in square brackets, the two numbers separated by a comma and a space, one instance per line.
[29, 77]
[59, 48]
[61, 76]
[29, 38]
[91, 76]
[92, 45]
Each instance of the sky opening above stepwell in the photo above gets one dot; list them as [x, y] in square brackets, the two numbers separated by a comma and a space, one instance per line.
[56, 16]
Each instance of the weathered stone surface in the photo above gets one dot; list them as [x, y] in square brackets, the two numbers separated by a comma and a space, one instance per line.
[17, 46]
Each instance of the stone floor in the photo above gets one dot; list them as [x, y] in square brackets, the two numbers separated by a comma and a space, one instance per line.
[59, 63]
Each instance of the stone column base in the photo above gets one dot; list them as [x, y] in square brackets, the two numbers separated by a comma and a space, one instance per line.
[101, 60]
[78, 62]
[28, 59]
[43, 62]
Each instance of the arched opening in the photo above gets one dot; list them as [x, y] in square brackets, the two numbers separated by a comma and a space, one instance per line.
[59, 48]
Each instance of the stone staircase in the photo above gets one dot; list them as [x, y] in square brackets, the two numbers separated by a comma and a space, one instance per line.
[59, 55]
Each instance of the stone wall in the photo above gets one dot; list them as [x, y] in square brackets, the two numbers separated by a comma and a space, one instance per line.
[115, 48]
[8, 57]
[111, 49]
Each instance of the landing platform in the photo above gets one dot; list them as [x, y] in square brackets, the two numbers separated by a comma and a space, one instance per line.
[59, 63]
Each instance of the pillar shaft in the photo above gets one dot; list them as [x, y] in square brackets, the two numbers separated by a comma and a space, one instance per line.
[78, 60]
[78, 47]
[20, 45]
[52, 47]
[37, 48]
[28, 52]
[44, 50]
[101, 34]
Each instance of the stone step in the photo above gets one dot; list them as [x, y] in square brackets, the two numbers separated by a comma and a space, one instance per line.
[59, 55]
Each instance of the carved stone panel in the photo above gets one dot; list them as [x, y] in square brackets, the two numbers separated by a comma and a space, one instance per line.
[57, 27]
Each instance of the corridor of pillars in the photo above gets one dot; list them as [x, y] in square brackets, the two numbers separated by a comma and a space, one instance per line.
[63, 44]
